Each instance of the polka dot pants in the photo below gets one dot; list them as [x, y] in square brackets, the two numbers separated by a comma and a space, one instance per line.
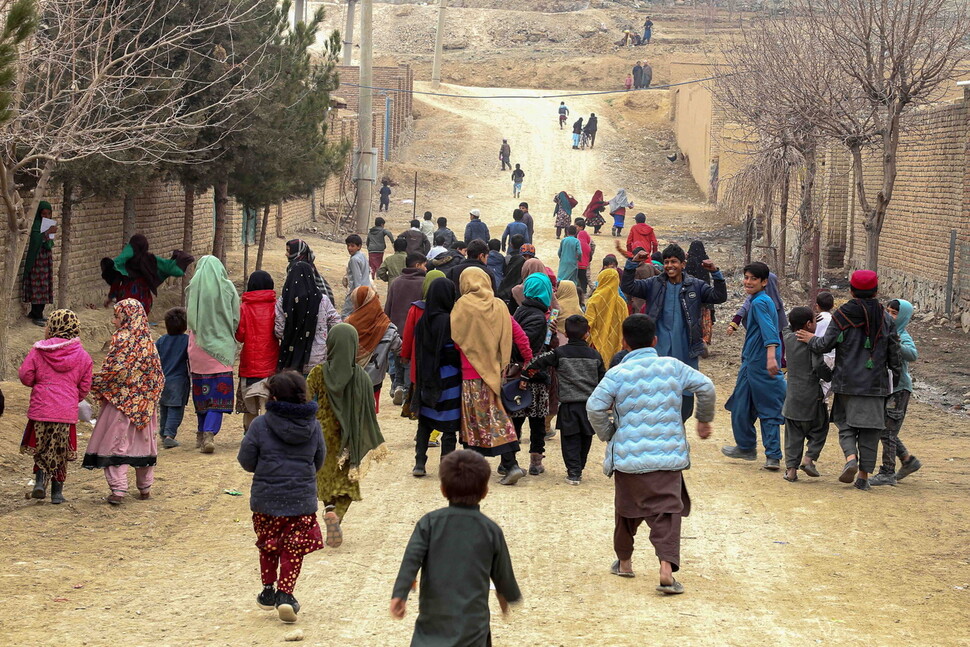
[282, 543]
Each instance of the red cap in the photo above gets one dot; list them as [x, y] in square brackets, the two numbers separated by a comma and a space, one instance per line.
[864, 280]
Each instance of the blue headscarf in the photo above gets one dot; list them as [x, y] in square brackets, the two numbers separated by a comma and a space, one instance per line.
[538, 287]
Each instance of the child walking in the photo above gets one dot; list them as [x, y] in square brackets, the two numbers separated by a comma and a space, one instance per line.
[458, 551]
[579, 369]
[376, 245]
[260, 348]
[283, 449]
[58, 371]
[173, 350]
[806, 417]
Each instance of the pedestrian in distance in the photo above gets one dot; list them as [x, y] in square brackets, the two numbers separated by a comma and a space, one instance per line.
[385, 193]
[517, 176]
[647, 31]
[376, 245]
[427, 227]
[577, 133]
[358, 272]
[476, 228]
[592, 124]
[505, 154]
[515, 227]
[173, 350]
[563, 114]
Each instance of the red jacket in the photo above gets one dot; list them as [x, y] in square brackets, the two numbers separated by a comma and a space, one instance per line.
[261, 349]
[407, 338]
[641, 235]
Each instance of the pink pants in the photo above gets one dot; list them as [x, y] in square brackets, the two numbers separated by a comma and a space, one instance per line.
[117, 477]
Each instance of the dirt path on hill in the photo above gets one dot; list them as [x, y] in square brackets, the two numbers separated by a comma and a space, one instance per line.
[764, 562]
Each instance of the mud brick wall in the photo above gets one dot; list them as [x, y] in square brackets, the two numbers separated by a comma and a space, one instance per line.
[399, 82]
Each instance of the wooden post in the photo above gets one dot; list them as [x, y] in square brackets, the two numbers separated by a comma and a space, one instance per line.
[816, 257]
[783, 231]
[414, 204]
[188, 227]
[222, 215]
[66, 233]
[262, 238]
[949, 272]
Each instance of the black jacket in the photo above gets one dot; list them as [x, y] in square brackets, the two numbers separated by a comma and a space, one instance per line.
[284, 449]
[448, 236]
[579, 368]
[417, 242]
[454, 272]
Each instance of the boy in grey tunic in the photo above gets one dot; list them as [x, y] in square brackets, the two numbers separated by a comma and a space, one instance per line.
[458, 551]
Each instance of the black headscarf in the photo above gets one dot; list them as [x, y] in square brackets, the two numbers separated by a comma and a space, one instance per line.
[696, 254]
[301, 305]
[430, 336]
[259, 280]
[143, 263]
[298, 251]
[513, 277]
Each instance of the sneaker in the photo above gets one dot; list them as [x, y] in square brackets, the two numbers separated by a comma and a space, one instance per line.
[513, 476]
[772, 464]
[434, 443]
[266, 600]
[398, 396]
[574, 480]
[908, 467]
[550, 434]
[168, 442]
[849, 471]
[863, 484]
[419, 471]
[287, 607]
[734, 452]
[883, 479]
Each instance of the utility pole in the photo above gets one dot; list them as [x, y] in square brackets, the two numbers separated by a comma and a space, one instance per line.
[365, 118]
[299, 11]
[349, 32]
[438, 46]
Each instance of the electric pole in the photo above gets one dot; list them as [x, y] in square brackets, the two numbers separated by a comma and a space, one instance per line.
[438, 46]
[349, 32]
[299, 11]
[365, 119]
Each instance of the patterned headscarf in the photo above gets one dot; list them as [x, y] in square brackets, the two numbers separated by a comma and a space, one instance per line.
[131, 376]
[369, 320]
[63, 324]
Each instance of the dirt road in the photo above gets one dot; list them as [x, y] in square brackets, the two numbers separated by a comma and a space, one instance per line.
[764, 562]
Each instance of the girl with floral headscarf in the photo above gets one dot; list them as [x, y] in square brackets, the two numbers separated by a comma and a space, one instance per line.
[129, 386]
[58, 371]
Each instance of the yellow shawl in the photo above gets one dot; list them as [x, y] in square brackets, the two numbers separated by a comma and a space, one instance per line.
[606, 311]
[482, 327]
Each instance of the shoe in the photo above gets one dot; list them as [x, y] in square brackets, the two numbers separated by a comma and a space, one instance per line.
[908, 467]
[208, 442]
[434, 443]
[266, 600]
[772, 465]
[513, 476]
[810, 469]
[335, 534]
[501, 470]
[883, 479]
[40, 485]
[115, 499]
[398, 396]
[145, 496]
[40, 323]
[733, 452]
[849, 471]
[535, 465]
[287, 607]
[862, 484]
[198, 440]
[419, 471]
[168, 442]
[57, 492]
[550, 434]
[574, 480]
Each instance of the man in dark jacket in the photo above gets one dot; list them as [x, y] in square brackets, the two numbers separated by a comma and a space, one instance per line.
[637, 76]
[451, 258]
[677, 310]
[476, 228]
[590, 128]
[505, 154]
[476, 256]
[448, 239]
[401, 293]
[417, 241]
[527, 219]
[867, 351]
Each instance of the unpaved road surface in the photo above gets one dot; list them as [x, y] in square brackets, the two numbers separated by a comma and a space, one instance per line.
[765, 562]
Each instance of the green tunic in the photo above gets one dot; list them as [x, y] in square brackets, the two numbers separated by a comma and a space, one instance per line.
[458, 550]
[332, 481]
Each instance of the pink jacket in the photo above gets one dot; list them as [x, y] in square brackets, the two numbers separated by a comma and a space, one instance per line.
[58, 371]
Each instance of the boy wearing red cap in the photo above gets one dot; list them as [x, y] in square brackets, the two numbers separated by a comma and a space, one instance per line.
[866, 351]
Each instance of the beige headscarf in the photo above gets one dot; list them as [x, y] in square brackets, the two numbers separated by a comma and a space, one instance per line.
[568, 297]
[482, 327]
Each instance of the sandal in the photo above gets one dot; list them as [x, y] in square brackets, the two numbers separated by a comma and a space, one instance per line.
[335, 536]
[810, 469]
[615, 569]
[790, 479]
[676, 588]
[115, 499]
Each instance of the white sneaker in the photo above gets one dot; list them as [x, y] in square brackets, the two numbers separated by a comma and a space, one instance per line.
[399, 396]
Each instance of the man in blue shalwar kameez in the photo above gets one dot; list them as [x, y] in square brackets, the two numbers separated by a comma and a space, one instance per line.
[759, 392]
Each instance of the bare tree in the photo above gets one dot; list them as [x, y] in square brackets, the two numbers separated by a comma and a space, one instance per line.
[115, 79]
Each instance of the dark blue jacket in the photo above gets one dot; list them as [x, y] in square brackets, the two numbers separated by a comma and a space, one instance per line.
[173, 351]
[476, 229]
[496, 263]
[694, 293]
[284, 449]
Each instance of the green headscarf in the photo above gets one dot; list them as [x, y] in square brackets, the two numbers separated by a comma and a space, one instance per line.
[351, 396]
[37, 238]
[213, 309]
[429, 277]
[538, 287]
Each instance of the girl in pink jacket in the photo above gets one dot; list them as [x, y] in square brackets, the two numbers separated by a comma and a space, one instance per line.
[58, 371]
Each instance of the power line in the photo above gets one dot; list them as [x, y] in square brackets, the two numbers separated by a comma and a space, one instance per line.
[519, 96]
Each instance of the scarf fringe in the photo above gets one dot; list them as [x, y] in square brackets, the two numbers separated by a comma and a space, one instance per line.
[357, 472]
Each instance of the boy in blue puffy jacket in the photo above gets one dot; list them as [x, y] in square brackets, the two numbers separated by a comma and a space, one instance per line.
[637, 409]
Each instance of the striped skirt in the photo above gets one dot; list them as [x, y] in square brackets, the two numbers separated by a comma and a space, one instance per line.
[445, 415]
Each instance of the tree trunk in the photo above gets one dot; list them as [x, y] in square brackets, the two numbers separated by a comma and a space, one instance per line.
[807, 221]
[65, 231]
[188, 231]
[129, 218]
[783, 231]
[262, 238]
[279, 219]
[219, 233]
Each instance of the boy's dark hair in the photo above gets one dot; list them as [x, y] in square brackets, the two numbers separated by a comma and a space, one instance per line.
[576, 327]
[517, 215]
[639, 331]
[673, 250]
[288, 386]
[516, 241]
[439, 240]
[610, 261]
[354, 239]
[464, 477]
[572, 230]
[460, 244]
[400, 245]
[757, 269]
[657, 256]
[476, 248]
[524, 206]
[893, 305]
[580, 222]
[640, 218]
[799, 316]
[385, 182]
[379, 222]
[825, 301]
[495, 245]
[442, 222]
[427, 215]
[864, 294]
[414, 259]
[176, 321]
[415, 224]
